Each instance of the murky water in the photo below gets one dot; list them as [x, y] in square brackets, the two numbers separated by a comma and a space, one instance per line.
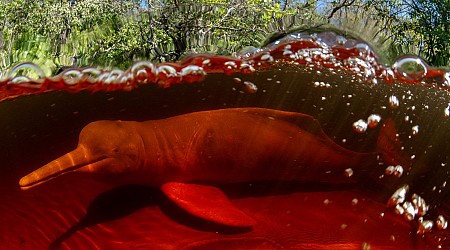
[396, 199]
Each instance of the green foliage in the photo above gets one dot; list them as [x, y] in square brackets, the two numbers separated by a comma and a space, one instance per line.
[431, 24]
[419, 27]
[116, 33]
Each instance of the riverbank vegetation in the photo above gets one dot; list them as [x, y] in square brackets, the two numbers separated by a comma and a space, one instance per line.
[116, 33]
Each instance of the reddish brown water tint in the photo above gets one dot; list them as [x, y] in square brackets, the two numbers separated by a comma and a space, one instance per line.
[336, 80]
[96, 216]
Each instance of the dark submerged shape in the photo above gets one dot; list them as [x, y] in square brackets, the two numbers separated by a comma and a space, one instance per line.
[218, 147]
[335, 80]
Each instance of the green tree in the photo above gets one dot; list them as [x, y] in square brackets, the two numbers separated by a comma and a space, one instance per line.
[57, 33]
[421, 24]
[119, 32]
[174, 28]
[368, 22]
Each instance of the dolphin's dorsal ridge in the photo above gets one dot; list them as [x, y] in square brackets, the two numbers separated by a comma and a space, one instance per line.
[206, 202]
[303, 121]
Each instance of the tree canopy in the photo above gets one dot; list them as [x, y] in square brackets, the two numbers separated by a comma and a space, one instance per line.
[422, 24]
[116, 33]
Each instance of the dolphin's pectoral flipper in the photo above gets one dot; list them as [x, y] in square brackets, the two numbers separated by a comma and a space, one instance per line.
[206, 202]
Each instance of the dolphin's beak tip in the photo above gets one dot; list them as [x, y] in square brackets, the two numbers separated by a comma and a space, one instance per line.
[69, 162]
[23, 182]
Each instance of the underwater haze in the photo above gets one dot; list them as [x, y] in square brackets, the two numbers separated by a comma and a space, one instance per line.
[325, 147]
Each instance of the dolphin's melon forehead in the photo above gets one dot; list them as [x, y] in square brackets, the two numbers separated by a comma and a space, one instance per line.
[100, 130]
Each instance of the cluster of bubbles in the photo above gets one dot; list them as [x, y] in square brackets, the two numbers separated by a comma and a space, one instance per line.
[322, 50]
[361, 125]
[413, 208]
[396, 171]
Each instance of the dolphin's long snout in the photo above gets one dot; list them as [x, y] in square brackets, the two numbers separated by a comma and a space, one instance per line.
[64, 164]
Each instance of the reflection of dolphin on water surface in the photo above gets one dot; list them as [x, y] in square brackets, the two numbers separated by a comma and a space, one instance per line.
[181, 154]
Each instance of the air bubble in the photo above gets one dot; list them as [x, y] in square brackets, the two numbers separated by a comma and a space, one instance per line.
[419, 204]
[125, 78]
[237, 80]
[91, 73]
[389, 170]
[398, 196]
[287, 52]
[143, 65]
[348, 172]
[192, 73]
[206, 62]
[251, 87]
[399, 209]
[364, 49]
[425, 227]
[410, 68]
[31, 70]
[447, 79]
[410, 211]
[441, 222]
[397, 171]
[373, 120]
[360, 126]
[167, 70]
[267, 57]
[113, 76]
[393, 102]
[71, 76]
[19, 80]
[322, 84]
[192, 70]
[247, 68]
[415, 130]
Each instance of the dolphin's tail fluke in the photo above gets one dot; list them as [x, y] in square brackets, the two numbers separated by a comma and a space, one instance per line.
[64, 164]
